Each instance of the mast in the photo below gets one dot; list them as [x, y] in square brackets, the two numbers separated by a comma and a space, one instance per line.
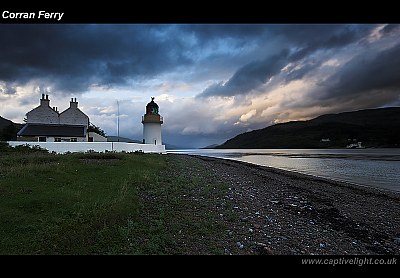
[118, 121]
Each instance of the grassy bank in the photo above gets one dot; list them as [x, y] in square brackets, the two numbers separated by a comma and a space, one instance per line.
[106, 204]
[178, 204]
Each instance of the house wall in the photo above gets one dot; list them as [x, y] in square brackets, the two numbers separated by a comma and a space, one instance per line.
[97, 137]
[50, 139]
[66, 139]
[27, 138]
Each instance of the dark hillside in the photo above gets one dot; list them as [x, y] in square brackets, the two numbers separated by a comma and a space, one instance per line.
[373, 127]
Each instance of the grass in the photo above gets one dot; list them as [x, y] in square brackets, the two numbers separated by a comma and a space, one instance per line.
[110, 203]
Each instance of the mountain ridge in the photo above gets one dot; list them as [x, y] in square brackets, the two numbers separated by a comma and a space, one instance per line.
[379, 127]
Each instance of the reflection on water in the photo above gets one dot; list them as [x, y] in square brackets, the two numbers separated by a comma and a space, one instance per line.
[371, 167]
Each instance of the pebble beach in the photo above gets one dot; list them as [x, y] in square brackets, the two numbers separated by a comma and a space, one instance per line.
[279, 212]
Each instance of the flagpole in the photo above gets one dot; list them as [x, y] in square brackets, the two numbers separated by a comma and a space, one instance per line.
[118, 121]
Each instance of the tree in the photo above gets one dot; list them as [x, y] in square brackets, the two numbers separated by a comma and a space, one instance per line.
[98, 130]
[9, 133]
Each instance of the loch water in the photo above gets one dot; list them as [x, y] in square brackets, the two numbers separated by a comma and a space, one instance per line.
[378, 167]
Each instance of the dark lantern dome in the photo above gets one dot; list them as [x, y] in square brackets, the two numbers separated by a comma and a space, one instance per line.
[152, 107]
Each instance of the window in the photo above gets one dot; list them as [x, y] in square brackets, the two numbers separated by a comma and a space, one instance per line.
[42, 139]
[74, 140]
[57, 139]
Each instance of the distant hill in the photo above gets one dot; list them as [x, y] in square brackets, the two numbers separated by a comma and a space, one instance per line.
[210, 146]
[373, 127]
[8, 129]
[172, 147]
[4, 123]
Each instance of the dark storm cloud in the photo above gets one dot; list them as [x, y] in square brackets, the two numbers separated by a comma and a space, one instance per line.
[248, 77]
[298, 42]
[301, 72]
[72, 57]
[322, 39]
[240, 32]
[327, 35]
[366, 72]
[301, 35]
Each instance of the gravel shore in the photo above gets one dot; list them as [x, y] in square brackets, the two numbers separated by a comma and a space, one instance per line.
[279, 212]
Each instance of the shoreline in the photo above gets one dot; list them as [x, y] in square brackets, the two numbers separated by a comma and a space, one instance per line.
[311, 176]
[378, 171]
[280, 212]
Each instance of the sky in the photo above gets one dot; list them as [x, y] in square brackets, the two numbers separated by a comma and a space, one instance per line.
[211, 81]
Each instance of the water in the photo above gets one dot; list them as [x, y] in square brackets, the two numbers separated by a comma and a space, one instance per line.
[368, 167]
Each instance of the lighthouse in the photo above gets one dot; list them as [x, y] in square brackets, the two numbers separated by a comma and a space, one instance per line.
[152, 124]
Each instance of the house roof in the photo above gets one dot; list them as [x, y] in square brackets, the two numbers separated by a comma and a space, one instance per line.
[41, 107]
[73, 109]
[53, 130]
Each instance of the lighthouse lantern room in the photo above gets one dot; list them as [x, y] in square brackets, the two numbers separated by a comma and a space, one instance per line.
[152, 124]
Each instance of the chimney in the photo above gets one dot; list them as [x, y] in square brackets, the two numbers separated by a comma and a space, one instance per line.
[44, 101]
[73, 104]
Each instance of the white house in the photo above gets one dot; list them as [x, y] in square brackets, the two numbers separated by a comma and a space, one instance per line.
[73, 115]
[46, 124]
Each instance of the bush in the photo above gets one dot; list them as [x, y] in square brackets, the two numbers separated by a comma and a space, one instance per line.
[6, 148]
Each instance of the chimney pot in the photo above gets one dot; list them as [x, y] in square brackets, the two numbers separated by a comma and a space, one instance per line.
[47, 96]
[75, 99]
[42, 96]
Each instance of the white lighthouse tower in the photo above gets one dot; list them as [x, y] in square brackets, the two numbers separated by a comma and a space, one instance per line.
[152, 124]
